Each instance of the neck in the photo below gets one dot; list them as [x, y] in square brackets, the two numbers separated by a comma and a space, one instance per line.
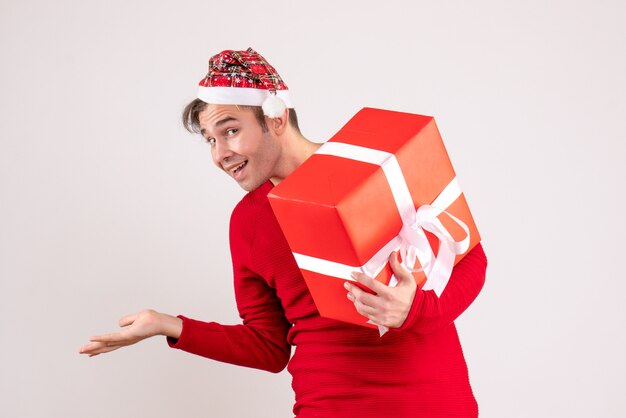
[295, 150]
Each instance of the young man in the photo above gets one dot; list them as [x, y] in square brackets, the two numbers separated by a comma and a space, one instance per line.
[416, 369]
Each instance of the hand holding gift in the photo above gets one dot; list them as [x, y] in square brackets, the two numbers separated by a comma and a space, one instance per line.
[389, 306]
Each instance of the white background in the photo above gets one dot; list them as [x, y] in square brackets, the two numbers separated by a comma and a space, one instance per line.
[108, 206]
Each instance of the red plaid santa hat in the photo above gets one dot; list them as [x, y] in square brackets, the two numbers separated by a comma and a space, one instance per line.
[244, 78]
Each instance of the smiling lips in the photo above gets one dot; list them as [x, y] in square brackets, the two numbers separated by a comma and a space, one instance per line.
[235, 169]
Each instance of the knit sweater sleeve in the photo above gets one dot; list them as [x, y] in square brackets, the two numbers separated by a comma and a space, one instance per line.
[430, 313]
[261, 340]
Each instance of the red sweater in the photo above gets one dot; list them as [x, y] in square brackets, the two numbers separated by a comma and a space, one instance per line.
[338, 369]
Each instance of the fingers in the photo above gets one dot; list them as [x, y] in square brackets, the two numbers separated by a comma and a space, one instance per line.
[108, 338]
[127, 336]
[372, 284]
[389, 306]
[98, 348]
[360, 297]
[106, 343]
[370, 312]
[365, 303]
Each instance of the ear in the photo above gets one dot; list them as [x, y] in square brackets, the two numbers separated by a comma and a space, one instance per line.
[278, 125]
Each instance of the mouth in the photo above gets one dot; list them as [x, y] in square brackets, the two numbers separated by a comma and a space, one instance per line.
[236, 171]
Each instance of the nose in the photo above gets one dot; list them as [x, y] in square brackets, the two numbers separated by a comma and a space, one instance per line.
[221, 151]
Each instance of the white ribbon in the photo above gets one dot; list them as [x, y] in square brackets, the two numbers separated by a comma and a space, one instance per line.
[411, 241]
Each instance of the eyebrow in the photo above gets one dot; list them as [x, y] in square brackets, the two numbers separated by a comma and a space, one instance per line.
[220, 123]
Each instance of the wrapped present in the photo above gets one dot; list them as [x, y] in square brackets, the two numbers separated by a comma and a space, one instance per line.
[383, 183]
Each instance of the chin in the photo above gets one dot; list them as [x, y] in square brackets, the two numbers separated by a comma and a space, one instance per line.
[249, 186]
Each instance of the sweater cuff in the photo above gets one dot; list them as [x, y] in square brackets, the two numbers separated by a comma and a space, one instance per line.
[413, 315]
[206, 339]
[176, 342]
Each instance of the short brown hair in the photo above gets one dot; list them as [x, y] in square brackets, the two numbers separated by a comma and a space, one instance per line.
[191, 116]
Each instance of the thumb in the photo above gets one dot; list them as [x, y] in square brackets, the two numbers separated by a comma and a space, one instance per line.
[402, 274]
[127, 320]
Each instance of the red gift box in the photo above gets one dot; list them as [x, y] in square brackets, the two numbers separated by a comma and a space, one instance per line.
[384, 182]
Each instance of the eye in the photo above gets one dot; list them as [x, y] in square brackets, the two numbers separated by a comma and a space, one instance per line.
[210, 141]
[231, 131]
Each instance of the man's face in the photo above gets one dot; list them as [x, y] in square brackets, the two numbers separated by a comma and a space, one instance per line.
[239, 146]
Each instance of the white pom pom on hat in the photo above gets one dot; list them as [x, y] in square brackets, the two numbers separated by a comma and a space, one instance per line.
[273, 106]
[245, 78]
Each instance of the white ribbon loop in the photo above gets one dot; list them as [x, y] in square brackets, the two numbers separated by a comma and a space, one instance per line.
[437, 269]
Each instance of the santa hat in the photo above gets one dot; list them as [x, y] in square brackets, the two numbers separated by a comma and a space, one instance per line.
[244, 78]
